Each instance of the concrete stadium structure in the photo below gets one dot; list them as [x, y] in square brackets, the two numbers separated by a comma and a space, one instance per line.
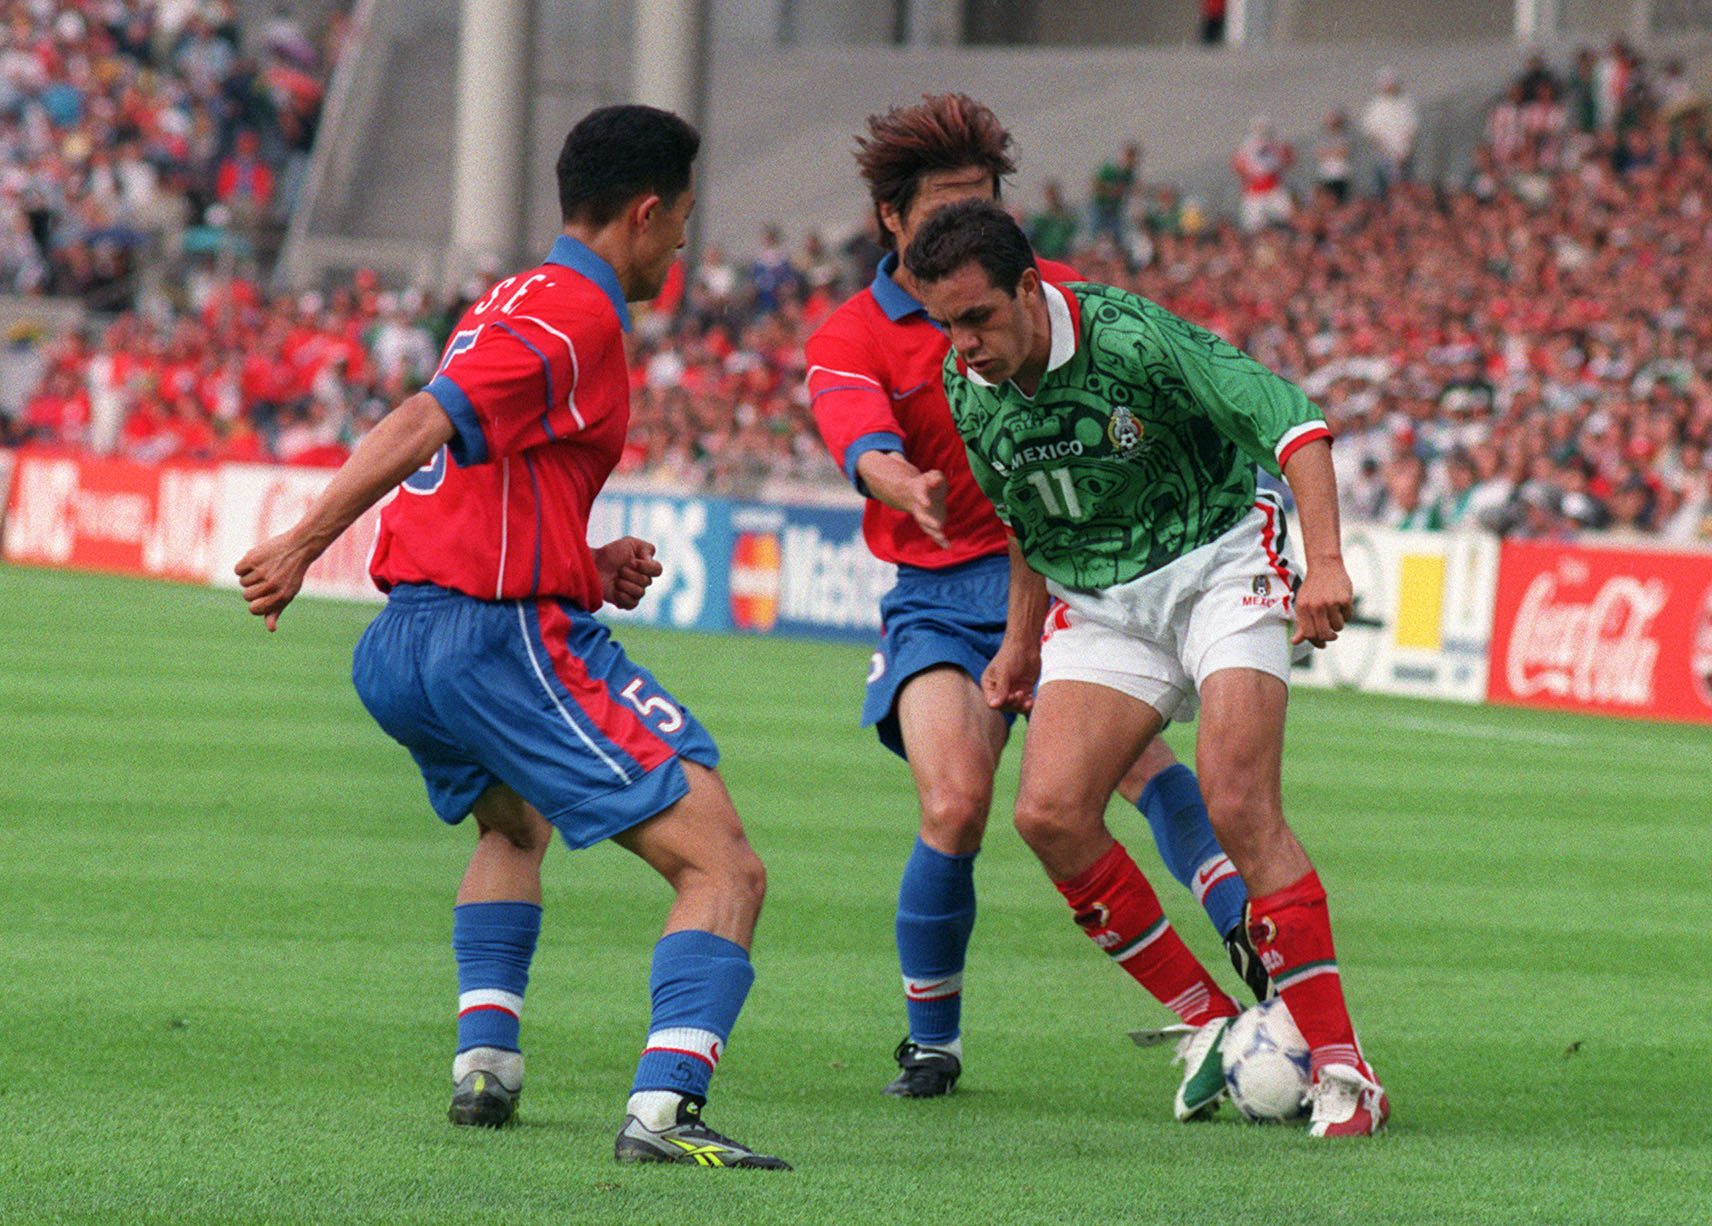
[790, 81]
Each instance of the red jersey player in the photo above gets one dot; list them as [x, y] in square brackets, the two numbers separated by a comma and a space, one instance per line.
[875, 377]
[487, 662]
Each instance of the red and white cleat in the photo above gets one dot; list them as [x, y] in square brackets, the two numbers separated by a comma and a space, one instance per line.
[1348, 1102]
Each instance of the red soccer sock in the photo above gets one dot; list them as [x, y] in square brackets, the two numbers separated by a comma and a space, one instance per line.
[1292, 932]
[1120, 912]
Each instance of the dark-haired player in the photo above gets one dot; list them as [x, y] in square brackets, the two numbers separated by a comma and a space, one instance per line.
[1119, 442]
[488, 664]
[874, 374]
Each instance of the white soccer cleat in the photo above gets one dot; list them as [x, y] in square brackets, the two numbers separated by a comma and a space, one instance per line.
[1348, 1102]
[1203, 1071]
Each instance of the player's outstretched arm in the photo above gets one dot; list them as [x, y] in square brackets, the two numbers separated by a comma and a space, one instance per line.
[1326, 598]
[902, 486]
[1009, 680]
[271, 574]
[626, 567]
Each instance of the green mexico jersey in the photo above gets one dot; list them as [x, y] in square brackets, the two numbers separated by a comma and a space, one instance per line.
[1138, 446]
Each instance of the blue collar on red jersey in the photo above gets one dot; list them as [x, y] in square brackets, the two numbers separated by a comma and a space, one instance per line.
[896, 301]
[580, 258]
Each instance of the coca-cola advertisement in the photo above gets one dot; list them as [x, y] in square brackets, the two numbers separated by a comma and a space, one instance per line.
[258, 500]
[1613, 631]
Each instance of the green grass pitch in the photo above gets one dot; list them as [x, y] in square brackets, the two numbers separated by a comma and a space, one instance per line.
[228, 988]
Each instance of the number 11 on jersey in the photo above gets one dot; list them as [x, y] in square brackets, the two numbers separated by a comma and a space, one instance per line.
[1064, 505]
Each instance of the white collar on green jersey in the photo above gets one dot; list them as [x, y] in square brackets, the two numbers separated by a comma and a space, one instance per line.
[1059, 325]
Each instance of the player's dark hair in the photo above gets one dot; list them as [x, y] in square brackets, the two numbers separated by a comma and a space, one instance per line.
[941, 132]
[618, 153]
[970, 230]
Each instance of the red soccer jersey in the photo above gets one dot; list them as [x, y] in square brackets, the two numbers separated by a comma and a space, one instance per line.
[535, 381]
[875, 377]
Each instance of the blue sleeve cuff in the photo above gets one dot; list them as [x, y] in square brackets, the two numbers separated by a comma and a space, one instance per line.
[469, 444]
[864, 444]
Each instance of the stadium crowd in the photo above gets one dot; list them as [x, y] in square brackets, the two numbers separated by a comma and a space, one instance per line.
[1529, 350]
[129, 128]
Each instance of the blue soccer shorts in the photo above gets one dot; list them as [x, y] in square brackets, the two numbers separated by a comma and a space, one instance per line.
[534, 694]
[932, 618]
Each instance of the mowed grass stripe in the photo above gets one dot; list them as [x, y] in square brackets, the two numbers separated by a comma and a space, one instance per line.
[226, 928]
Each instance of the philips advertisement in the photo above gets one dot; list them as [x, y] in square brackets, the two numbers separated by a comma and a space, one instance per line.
[752, 568]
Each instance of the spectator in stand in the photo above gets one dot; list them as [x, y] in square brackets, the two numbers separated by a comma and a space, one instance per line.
[1404, 504]
[1632, 506]
[772, 276]
[1108, 205]
[1615, 87]
[284, 38]
[1545, 125]
[1052, 229]
[820, 269]
[1212, 22]
[1506, 137]
[1334, 156]
[244, 184]
[59, 410]
[1392, 121]
[1260, 163]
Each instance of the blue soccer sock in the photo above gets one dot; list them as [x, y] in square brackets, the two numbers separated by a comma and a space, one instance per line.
[493, 943]
[936, 913]
[697, 985]
[1172, 804]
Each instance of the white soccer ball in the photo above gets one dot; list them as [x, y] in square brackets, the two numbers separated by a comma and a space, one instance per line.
[1266, 1064]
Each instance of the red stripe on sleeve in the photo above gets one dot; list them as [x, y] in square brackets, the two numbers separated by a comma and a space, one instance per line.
[1296, 444]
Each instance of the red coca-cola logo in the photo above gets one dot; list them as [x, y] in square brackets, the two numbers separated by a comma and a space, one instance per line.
[1573, 640]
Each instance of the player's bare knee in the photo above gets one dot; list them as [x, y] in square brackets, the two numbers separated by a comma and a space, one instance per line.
[1245, 813]
[522, 838]
[954, 819]
[1048, 822]
[748, 878]
[504, 816]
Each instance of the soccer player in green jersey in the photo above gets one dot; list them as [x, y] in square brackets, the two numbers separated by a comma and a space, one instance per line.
[1119, 443]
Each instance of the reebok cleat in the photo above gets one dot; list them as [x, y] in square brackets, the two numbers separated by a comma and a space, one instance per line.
[482, 1100]
[689, 1142]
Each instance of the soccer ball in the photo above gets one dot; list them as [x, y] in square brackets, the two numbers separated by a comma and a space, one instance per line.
[1266, 1064]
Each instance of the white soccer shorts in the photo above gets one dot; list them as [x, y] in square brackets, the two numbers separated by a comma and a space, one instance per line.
[1228, 604]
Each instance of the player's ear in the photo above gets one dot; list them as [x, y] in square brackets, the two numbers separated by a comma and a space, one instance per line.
[643, 208]
[1028, 285]
[892, 220]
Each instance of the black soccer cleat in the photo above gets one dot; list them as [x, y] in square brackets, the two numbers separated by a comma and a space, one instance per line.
[688, 1141]
[1247, 963]
[925, 1071]
[482, 1100]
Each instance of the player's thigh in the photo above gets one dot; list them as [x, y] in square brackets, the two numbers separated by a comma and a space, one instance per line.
[1240, 744]
[554, 708]
[952, 740]
[1082, 737]
[932, 620]
[384, 669]
[505, 813]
